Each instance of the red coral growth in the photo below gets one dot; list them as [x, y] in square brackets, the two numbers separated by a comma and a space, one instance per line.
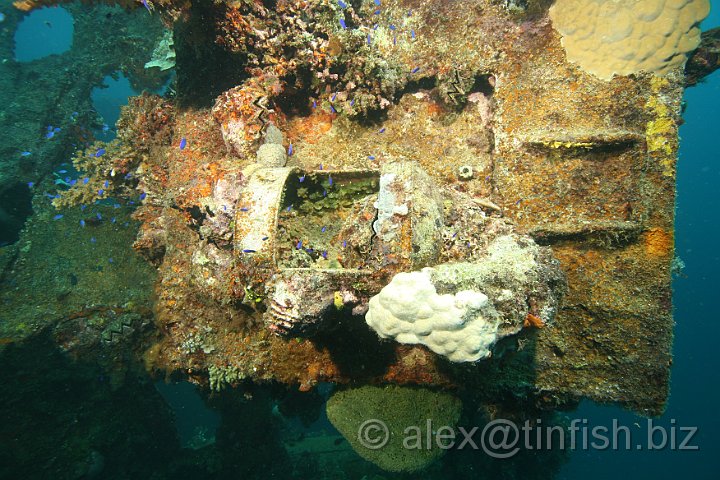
[243, 111]
[147, 120]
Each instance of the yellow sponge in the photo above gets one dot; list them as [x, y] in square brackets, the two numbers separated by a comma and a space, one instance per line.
[620, 37]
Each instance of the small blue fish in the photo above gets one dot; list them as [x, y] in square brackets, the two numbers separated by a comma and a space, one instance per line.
[290, 150]
[85, 180]
[342, 24]
[344, 244]
[332, 109]
[100, 192]
[110, 260]
[330, 182]
[321, 166]
[369, 39]
[244, 209]
[62, 171]
[324, 193]
[377, 2]
[144, 2]
[25, 154]
[376, 12]
[31, 184]
[324, 254]
[116, 205]
[248, 250]
[332, 99]
[83, 207]
[302, 179]
[82, 223]
[112, 220]
[265, 238]
[56, 129]
[314, 104]
[92, 240]
[342, 4]
[412, 34]
[371, 157]
[100, 152]
[323, 229]
[106, 184]
[352, 102]
[73, 182]
[105, 127]
[49, 135]
[183, 143]
[289, 208]
[415, 70]
[299, 245]
[128, 176]
[58, 216]
[143, 195]
[382, 130]
[392, 27]
[130, 202]
[99, 217]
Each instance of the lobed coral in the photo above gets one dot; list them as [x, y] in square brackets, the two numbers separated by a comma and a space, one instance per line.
[608, 37]
[462, 327]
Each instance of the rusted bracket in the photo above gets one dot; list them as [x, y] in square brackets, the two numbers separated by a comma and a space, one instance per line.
[705, 59]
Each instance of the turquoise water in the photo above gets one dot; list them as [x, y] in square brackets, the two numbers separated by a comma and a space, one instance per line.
[169, 423]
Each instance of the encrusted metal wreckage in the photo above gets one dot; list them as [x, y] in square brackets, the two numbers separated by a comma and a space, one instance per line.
[355, 144]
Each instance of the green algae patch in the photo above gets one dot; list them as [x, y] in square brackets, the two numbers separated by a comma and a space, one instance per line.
[396, 428]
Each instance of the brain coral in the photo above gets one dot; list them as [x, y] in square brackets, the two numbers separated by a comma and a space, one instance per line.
[620, 37]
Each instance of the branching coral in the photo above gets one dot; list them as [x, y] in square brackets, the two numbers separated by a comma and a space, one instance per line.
[105, 171]
[108, 169]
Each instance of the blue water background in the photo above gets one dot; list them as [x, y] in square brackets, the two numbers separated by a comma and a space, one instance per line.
[43, 32]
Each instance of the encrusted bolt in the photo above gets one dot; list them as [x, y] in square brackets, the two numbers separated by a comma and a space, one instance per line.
[465, 172]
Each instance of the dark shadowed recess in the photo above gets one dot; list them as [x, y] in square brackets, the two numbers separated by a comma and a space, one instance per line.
[204, 69]
[15, 208]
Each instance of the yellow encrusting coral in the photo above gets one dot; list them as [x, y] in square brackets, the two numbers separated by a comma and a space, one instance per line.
[610, 37]
[661, 130]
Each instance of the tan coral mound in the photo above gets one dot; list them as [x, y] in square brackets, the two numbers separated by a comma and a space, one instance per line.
[620, 37]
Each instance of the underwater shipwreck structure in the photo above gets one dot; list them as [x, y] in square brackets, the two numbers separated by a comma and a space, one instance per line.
[474, 197]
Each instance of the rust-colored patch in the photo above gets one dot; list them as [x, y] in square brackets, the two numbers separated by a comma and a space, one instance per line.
[658, 242]
[533, 321]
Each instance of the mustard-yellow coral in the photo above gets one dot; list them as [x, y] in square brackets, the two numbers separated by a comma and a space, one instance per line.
[620, 37]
